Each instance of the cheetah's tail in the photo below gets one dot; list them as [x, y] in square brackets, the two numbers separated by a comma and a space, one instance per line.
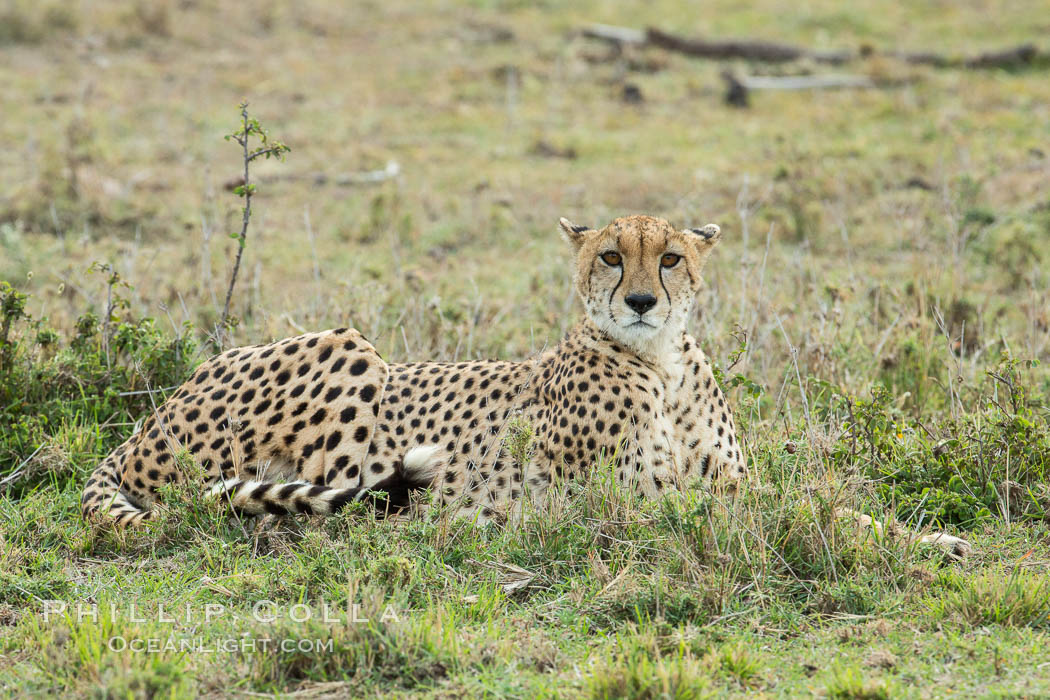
[104, 495]
[282, 498]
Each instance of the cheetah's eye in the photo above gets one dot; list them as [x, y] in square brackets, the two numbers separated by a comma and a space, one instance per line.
[670, 259]
[611, 258]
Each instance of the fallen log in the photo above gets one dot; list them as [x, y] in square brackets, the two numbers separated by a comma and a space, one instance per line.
[614, 35]
[777, 52]
[806, 82]
[1013, 57]
[1023, 55]
[739, 87]
[747, 49]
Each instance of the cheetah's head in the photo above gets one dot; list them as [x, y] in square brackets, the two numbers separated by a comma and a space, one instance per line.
[638, 276]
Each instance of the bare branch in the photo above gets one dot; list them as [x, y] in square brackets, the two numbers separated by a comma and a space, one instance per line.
[748, 49]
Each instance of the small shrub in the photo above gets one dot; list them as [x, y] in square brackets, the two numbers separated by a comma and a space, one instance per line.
[849, 596]
[101, 378]
[641, 674]
[736, 661]
[85, 653]
[665, 602]
[850, 684]
[1017, 599]
[911, 372]
[12, 310]
[993, 460]
[412, 652]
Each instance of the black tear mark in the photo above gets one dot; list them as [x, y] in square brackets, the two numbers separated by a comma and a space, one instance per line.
[580, 229]
[707, 235]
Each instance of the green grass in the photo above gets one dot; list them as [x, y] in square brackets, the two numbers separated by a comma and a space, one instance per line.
[878, 312]
[604, 597]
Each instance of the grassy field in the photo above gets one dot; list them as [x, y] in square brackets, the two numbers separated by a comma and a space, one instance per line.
[878, 310]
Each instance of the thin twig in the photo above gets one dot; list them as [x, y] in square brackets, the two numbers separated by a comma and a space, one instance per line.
[243, 141]
[268, 149]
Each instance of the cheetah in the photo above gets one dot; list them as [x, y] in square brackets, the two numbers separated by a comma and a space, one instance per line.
[311, 423]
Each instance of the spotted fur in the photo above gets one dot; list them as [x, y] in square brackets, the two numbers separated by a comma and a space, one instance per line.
[311, 423]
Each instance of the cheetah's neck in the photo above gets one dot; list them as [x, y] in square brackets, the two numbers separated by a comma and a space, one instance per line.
[664, 356]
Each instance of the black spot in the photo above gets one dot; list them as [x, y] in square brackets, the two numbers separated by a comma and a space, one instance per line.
[275, 509]
[359, 367]
[287, 490]
[361, 434]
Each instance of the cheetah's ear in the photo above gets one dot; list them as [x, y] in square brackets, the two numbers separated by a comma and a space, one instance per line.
[710, 233]
[704, 239]
[572, 233]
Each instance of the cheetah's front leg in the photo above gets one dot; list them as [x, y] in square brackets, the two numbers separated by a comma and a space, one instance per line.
[650, 459]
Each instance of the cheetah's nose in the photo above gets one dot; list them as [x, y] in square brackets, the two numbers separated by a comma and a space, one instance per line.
[640, 302]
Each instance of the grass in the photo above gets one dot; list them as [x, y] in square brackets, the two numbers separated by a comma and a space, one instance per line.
[877, 311]
[1015, 599]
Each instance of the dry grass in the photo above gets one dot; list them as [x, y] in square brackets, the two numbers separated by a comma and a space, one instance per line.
[894, 237]
[117, 155]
